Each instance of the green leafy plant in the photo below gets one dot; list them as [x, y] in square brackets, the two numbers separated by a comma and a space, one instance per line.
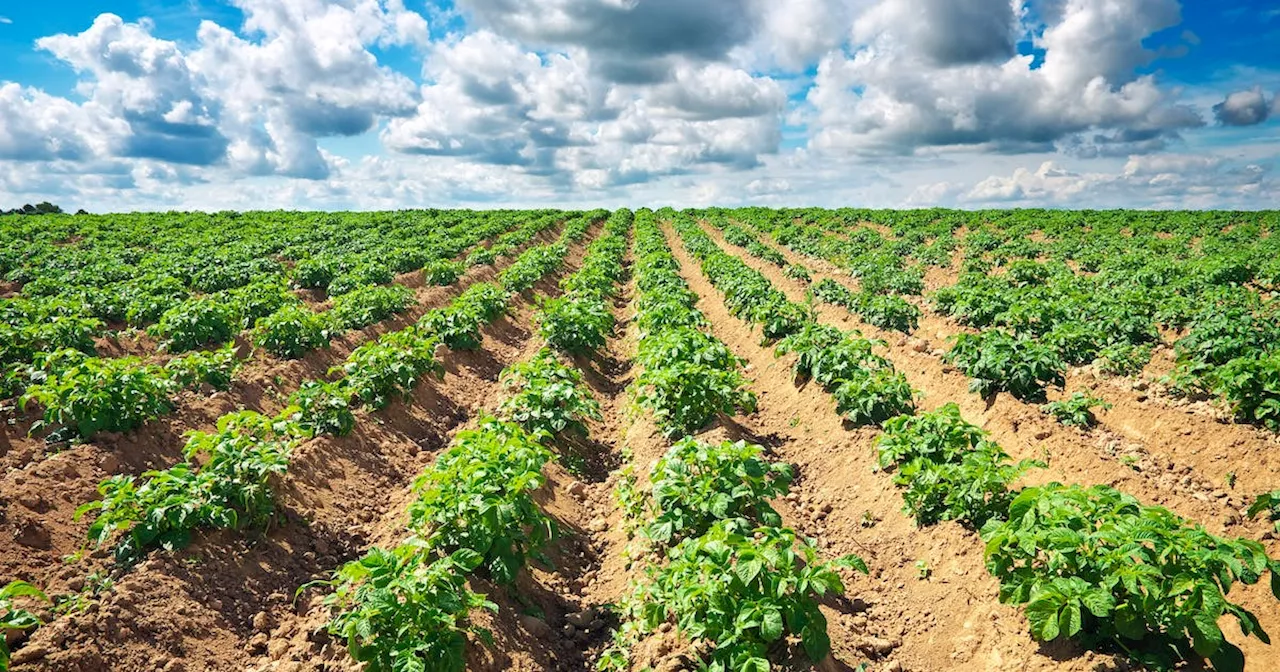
[479, 496]
[228, 489]
[1268, 502]
[323, 408]
[1076, 410]
[950, 470]
[391, 366]
[797, 273]
[1094, 565]
[696, 484]
[1000, 362]
[291, 332]
[91, 394]
[369, 305]
[14, 618]
[214, 368]
[685, 398]
[458, 324]
[575, 323]
[403, 609]
[874, 396]
[442, 273]
[193, 323]
[746, 591]
[1251, 386]
[549, 397]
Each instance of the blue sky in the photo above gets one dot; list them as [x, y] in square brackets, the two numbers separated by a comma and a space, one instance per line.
[366, 104]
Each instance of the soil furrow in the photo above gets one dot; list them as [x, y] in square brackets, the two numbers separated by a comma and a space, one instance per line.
[40, 498]
[1072, 456]
[230, 589]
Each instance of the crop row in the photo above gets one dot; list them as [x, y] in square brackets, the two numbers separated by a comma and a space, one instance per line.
[866, 388]
[473, 513]
[82, 394]
[1089, 564]
[882, 308]
[1087, 291]
[723, 568]
[185, 309]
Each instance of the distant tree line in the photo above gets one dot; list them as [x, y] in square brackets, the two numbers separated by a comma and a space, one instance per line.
[43, 208]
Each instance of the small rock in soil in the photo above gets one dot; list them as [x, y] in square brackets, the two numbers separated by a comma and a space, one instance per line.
[578, 489]
[536, 626]
[1042, 434]
[30, 654]
[598, 525]
[581, 619]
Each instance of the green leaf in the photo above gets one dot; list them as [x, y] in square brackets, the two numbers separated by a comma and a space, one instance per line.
[771, 625]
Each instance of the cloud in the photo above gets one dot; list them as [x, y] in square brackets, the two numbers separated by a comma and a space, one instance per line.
[491, 100]
[5, 20]
[1160, 180]
[302, 70]
[630, 41]
[1245, 108]
[907, 86]
[147, 86]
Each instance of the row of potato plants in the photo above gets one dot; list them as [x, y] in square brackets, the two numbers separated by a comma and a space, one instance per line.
[113, 276]
[866, 388]
[726, 573]
[410, 607]
[225, 482]
[877, 304]
[1097, 288]
[230, 488]
[82, 394]
[1088, 564]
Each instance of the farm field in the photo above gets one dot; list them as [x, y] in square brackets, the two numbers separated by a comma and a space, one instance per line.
[721, 439]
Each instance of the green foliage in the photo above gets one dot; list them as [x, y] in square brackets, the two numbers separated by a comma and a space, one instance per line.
[369, 305]
[257, 300]
[950, 470]
[1094, 565]
[91, 394]
[797, 273]
[291, 332]
[1251, 386]
[888, 312]
[458, 324]
[866, 388]
[442, 273]
[403, 610]
[379, 371]
[14, 618]
[193, 323]
[688, 378]
[361, 275]
[322, 408]
[228, 489]
[1000, 362]
[549, 398]
[214, 368]
[696, 484]
[874, 396]
[746, 591]
[1269, 502]
[479, 497]
[1076, 410]
[574, 323]
[1123, 359]
[530, 266]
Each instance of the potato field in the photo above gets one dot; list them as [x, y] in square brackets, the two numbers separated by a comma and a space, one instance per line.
[727, 440]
